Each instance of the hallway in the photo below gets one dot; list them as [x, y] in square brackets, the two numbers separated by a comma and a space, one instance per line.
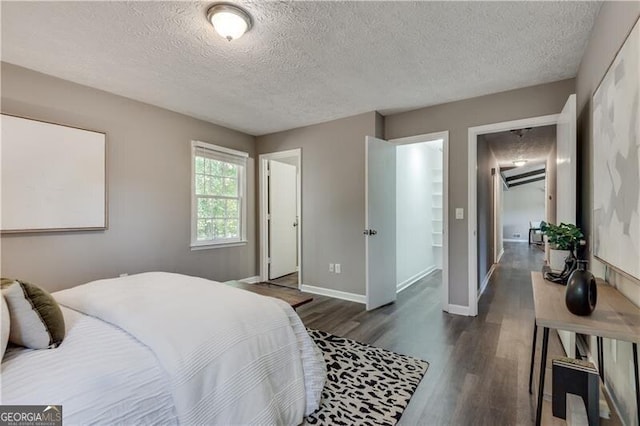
[479, 367]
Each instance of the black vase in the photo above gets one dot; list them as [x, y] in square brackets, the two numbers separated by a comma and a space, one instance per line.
[582, 292]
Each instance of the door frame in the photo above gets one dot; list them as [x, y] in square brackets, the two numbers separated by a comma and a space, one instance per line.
[444, 135]
[497, 216]
[472, 192]
[262, 211]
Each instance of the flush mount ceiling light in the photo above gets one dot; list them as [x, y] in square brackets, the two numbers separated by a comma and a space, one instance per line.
[230, 21]
[519, 163]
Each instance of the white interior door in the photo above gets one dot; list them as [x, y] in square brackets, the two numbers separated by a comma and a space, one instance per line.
[380, 222]
[566, 186]
[283, 220]
[566, 163]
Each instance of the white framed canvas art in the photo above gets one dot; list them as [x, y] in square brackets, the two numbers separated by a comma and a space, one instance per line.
[616, 161]
[53, 177]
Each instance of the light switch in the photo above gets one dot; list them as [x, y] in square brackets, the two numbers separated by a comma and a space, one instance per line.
[459, 213]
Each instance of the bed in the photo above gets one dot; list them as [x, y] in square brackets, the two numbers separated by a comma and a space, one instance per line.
[161, 348]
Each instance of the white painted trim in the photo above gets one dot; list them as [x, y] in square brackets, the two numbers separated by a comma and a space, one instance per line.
[414, 279]
[472, 190]
[251, 280]
[485, 281]
[500, 255]
[366, 222]
[444, 135]
[336, 294]
[262, 210]
[511, 240]
[459, 310]
[213, 147]
[218, 245]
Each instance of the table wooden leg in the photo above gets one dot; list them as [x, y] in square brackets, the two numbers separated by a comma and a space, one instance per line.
[635, 369]
[600, 358]
[543, 368]
[533, 354]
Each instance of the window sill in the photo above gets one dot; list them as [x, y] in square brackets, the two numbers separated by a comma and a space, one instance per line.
[218, 245]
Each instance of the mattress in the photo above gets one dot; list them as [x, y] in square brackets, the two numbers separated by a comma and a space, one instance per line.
[99, 375]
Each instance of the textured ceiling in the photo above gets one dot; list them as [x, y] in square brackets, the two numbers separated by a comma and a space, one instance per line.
[303, 62]
[534, 145]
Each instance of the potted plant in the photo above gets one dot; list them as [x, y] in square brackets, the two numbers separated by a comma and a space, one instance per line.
[562, 239]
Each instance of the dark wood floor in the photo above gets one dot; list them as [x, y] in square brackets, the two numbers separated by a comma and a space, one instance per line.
[478, 370]
[290, 281]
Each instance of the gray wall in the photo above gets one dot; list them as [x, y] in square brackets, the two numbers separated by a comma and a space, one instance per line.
[612, 26]
[486, 162]
[457, 117]
[333, 207]
[148, 156]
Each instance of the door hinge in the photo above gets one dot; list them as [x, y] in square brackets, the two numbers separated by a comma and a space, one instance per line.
[269, 260]
[268, 216]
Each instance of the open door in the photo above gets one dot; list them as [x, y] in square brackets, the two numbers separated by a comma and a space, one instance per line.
[566, 163]
[380, 222]
[283, 219]
[566, 188]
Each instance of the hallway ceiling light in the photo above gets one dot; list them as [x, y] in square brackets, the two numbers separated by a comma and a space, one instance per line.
[230, 21]
[519, 163]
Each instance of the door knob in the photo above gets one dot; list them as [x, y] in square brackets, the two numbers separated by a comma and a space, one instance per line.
[370, 232]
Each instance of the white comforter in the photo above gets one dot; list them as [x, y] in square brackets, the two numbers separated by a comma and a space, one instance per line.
[231, 356]
[99, 374]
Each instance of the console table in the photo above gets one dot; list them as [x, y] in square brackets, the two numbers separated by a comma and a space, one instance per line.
[615, 317]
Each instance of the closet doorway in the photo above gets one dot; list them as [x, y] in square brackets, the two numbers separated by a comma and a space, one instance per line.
[421, 212]
[280, 218]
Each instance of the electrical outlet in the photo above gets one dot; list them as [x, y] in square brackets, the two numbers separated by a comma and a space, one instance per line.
[331, 267]
[338, 269]
[516, 235]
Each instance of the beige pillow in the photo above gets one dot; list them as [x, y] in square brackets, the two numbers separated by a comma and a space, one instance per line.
[4, 325]
[36, 318]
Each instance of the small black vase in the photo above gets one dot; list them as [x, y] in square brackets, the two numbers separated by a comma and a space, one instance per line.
[582, 292]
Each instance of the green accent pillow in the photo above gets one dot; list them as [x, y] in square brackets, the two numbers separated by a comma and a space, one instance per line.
[35, 317]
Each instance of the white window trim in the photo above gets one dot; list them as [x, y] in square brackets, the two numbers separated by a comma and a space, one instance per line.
[242, 185]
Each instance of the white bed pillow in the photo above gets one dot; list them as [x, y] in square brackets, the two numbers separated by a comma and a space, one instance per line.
[36, 318]
[5, 322]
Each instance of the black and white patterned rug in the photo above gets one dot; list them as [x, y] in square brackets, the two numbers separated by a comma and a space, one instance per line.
[365, 385]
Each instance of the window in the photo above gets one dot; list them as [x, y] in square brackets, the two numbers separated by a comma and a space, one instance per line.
[218, 201]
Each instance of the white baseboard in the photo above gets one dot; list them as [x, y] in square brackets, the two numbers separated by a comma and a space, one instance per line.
[336, 294]
[414, 279]
[459, 310]
[251, 280]
[511, 240]
[485, 281]
[500, 255]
